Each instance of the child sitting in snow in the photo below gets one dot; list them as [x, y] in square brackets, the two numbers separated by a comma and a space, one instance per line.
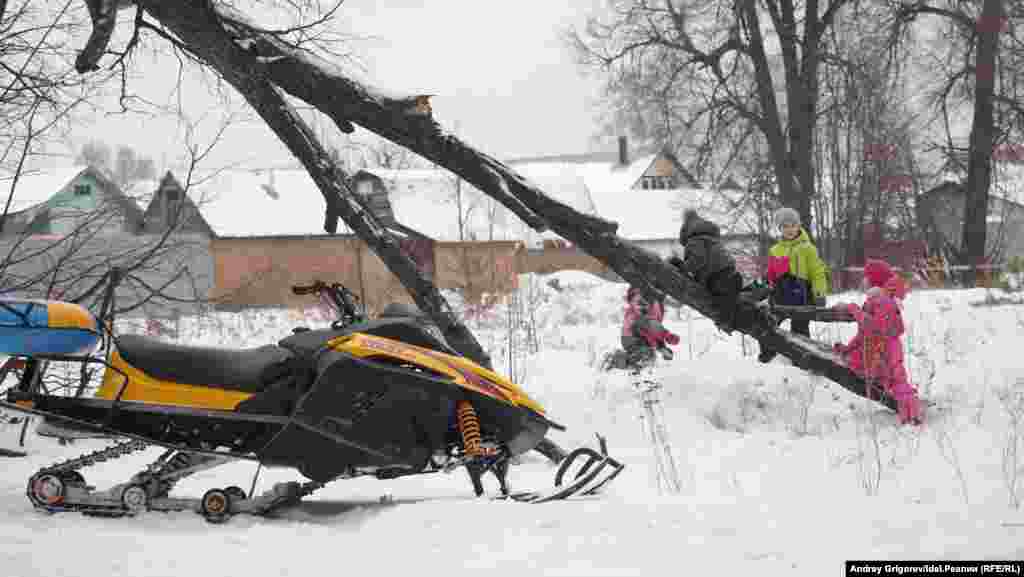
[876, 352]
[642, 331]
[708, 262]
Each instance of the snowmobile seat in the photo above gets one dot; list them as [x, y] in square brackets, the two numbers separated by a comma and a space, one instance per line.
[246, 370]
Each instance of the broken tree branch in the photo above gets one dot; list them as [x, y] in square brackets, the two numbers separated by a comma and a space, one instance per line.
[203, 37]
[402, 119]
[103, 14]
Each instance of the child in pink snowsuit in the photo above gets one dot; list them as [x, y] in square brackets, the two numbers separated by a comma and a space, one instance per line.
[641, 323]
[876, 352]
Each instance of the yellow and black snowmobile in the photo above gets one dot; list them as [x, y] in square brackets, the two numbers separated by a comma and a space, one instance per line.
[386, 397]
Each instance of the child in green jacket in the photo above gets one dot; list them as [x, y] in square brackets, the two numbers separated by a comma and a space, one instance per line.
[804, 280]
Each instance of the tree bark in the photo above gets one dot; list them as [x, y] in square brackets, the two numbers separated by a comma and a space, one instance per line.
[979, 168]
[247, 54]
[103, 14]
[771, 123]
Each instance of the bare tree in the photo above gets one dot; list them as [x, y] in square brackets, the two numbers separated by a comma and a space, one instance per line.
[866, 160]
[57, 249]
[130, 167]
[39, 93]
[94, 153]
[67, 249]
[385, 154]
[980, 36]
[702, 75]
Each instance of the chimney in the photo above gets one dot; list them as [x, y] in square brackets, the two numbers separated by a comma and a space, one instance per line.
[623, 153]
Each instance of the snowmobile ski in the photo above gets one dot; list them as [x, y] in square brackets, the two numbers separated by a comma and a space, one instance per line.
[589, 479]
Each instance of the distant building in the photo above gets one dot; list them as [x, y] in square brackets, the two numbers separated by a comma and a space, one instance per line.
[58, 203]
[78, 222]
[171, 208]
[940, 212]
[647, 195]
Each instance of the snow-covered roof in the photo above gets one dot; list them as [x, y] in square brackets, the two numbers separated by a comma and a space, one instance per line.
[235, 203]
[641, 214]
[561, 182]
[241, 203]
[36, 187]
[426, 201]
[658, 214]
[596, 175]
[142, 191]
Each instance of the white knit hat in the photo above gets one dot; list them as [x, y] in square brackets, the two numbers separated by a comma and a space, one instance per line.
[786, 215]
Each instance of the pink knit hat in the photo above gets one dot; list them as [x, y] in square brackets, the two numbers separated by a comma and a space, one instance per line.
[878, 272]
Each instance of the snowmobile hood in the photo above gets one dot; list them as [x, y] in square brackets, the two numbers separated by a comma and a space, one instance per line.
[464, 372]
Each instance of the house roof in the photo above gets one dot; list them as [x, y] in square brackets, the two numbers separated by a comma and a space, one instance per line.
[641, 214]
[240, 203]
[426, 201]
[602, 157]
[236, 204]
[37, 187]
[658, 214]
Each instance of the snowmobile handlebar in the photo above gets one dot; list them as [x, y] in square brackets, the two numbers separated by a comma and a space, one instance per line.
[337, 294]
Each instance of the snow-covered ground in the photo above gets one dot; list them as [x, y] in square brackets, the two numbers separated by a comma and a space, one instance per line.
[783, 473]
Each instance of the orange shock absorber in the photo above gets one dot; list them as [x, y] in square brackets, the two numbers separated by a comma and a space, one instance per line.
[469, 427]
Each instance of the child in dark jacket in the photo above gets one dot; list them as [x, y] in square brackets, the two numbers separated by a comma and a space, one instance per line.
[711, 265]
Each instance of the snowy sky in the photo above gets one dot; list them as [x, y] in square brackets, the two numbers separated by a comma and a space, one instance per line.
[502, 77]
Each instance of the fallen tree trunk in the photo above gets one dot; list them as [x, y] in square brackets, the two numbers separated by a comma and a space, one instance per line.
[208, 42]
[213, 33]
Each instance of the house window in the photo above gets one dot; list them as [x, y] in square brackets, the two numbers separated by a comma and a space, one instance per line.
[82, 190]
[651, 183]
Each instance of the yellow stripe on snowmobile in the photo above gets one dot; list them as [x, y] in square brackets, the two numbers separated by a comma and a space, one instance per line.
[464, 372]
[144, 388]
[69, 315]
